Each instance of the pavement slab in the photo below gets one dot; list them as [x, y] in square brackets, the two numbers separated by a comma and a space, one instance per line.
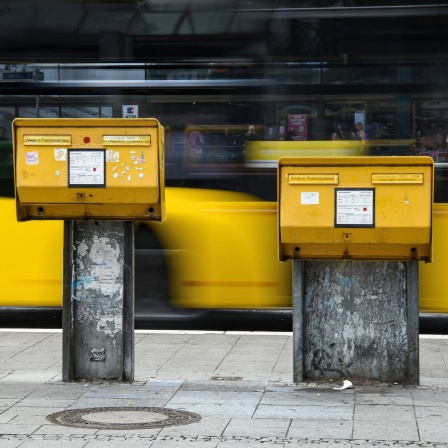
[240, 385]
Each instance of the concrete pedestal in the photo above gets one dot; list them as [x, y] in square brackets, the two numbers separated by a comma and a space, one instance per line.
[356, 320]
[98, 308]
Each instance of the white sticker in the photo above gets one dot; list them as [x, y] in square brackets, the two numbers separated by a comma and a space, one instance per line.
[309, 197]
[32, 158]
[60, 154]
[112, 156]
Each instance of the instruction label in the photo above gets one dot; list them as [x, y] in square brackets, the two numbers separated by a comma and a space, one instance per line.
[355, 207]
[86, 168]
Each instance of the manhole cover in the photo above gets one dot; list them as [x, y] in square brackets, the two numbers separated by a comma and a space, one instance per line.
[123, 418]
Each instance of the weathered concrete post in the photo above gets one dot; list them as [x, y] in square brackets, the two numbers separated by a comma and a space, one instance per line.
[356, 320]
[98, 309]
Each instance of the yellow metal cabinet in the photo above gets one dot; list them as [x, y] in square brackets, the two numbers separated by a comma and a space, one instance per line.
[80, 169]
[355, 208]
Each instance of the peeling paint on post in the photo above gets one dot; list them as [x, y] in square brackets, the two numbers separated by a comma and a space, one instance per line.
[98, 321]
[355, 320]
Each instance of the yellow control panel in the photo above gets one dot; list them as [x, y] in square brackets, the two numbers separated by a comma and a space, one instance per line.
[105, 168]
[368, 208]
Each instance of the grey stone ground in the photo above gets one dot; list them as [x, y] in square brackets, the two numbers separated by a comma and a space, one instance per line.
[240, 384]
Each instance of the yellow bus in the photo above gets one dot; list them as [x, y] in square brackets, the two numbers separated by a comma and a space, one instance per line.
[304, 77]
[216, 249]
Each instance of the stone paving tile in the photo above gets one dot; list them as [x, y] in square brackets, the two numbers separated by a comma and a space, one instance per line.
[305, 412]
[194, 353]
[118, 444]
[283, 364]
[250, 444]
[224, 385]
[30, 376]
[162, 383]
[180, 443]
[129, 391]
[7, 402]
[10, 428]
[431, 381]
[175, 376]
[228, 339]
[318, 414]
[204, 427]
[57, 366]
[23, 340]
[380, 430]
[275, 427]
[391, 397]
[54, 444]
[145, 374]
[260, 368]
[321, 429]
[431, 359]
[157, 355]
[389, 422]
[217, 410]
[432, 424]
[137, 433]
[180, 365]
[34, 360]
[4, 443]
[386, 413]
[283, 386]
[443, 347]
[434, 372]
[222, 404]
[104, 402]
[431, 412]
[308, 398]
[196, 376]
[66, 391]
[17, 390]
[42, 402]
[143, 379]
[26, 415]
[63, 430]
[287, 377]
[430, 398]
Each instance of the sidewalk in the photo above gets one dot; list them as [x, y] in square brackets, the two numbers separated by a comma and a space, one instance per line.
[240, 385]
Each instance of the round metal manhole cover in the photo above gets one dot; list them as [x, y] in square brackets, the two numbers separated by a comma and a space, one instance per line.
[123, 418]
